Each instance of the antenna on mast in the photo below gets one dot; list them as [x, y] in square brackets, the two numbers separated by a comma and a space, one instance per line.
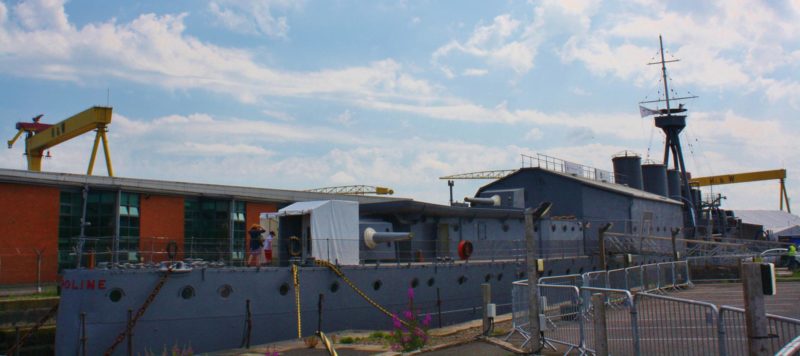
[672, 121]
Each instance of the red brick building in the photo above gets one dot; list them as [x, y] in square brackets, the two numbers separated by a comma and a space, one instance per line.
[133, 220]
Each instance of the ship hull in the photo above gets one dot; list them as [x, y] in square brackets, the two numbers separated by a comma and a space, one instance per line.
[208, 320]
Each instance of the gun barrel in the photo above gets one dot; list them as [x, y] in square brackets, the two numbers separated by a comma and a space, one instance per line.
[372, 238]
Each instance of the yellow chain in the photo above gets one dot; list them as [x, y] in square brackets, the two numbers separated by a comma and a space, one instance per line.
[369, 300]
[296, 279]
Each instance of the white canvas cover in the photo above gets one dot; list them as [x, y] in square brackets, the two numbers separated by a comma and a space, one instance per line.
[334, 228]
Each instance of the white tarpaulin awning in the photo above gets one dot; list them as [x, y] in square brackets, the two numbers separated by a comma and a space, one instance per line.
[334, 228]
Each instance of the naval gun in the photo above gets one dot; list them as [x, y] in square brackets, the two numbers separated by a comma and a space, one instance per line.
[372, 238]
[494, 200]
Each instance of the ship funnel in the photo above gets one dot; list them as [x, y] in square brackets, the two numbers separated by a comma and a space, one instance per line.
[494, 200]
[628, 169]
[372, 238]
[674, 184]
[654, 176]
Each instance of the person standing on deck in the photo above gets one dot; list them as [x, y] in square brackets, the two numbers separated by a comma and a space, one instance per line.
[256, 245]
[268, 246]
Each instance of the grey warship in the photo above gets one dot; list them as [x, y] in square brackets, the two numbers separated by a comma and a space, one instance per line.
[358, 256]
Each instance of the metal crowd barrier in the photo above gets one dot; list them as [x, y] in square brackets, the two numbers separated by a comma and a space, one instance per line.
[782, 330]
[648, 323]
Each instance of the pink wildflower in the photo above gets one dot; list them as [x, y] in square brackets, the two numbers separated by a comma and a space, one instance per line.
[396, 322]
[408, 314]
[427, 320]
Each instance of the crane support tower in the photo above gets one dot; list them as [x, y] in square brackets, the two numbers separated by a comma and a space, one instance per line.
[779, 174]
[41, 137]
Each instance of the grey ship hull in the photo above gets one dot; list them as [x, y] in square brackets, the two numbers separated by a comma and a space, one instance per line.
[208, 321]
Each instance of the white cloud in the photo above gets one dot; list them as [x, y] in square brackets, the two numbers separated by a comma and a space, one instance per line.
[253, 16]
[475, 72]
[534, 134]
[731, 45]
[280, 115]
[345, 118]
[493, 43]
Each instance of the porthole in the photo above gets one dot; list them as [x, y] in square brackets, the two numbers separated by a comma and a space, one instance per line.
[116, 295]
[499, 277]
[553, 227]
[225, 291]
[187, 292]
[414, 283]
[462, 279]
[334, 287]
[580, 271]
[455, 227]
[431, 282]
[386, 229]
[549, 272]
[487, 277]
[573, 228]
[284, 289]
[377, 284]
[505, 227]
[567, 271]
[564, 228]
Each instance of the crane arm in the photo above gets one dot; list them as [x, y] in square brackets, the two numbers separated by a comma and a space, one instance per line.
[16, 137]
[355, 190]
[497, 174]
[88, 120]
[738, 178]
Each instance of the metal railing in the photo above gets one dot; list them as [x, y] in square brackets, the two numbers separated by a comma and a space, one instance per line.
[559, 165]
[781, 330]
[648, 323]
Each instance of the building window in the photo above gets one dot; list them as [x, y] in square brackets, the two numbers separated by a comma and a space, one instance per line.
[129, 226]
[207, 224]
[100, 229]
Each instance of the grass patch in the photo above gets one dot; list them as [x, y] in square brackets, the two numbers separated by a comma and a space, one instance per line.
[347, 340]
[47, 292]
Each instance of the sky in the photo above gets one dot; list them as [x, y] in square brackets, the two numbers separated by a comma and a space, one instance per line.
[307, 94]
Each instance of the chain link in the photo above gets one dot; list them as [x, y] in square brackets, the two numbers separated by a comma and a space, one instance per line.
[296, 279]
[352, 285]
[32, 330]
[139, 313]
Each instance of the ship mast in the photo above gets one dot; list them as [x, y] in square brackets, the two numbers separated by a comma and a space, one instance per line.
[672, 124]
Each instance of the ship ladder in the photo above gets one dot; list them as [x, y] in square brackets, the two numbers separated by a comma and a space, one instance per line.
[328, 344]
[129, 327]
[352, 285]
[296, 279]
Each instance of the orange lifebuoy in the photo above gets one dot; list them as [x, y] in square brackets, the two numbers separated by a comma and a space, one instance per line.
[465, 249]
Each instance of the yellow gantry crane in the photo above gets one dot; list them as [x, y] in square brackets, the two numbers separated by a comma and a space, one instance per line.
[41, 137]
[354, 190]
[779, 174]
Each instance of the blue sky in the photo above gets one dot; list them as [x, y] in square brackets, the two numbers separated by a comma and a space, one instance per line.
[305, 94]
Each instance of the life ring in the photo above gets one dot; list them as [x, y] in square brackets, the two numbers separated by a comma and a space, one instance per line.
[172, 250]
[295, 248]
[465, 249]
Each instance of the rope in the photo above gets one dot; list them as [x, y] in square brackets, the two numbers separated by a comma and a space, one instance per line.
[369, 300]
[296, 279]
[32, 330]
[328, 345]
[139, 313]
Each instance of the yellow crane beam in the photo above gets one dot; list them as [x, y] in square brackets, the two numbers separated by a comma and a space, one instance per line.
[738, 178]
[779, 174]
[354, 190]
[96, 118]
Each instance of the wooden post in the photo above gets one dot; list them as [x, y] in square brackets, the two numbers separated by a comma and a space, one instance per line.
[675, 232]
[602, 237]
[486, 292]
[531, 216]
[600, 327]
[754, 310]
